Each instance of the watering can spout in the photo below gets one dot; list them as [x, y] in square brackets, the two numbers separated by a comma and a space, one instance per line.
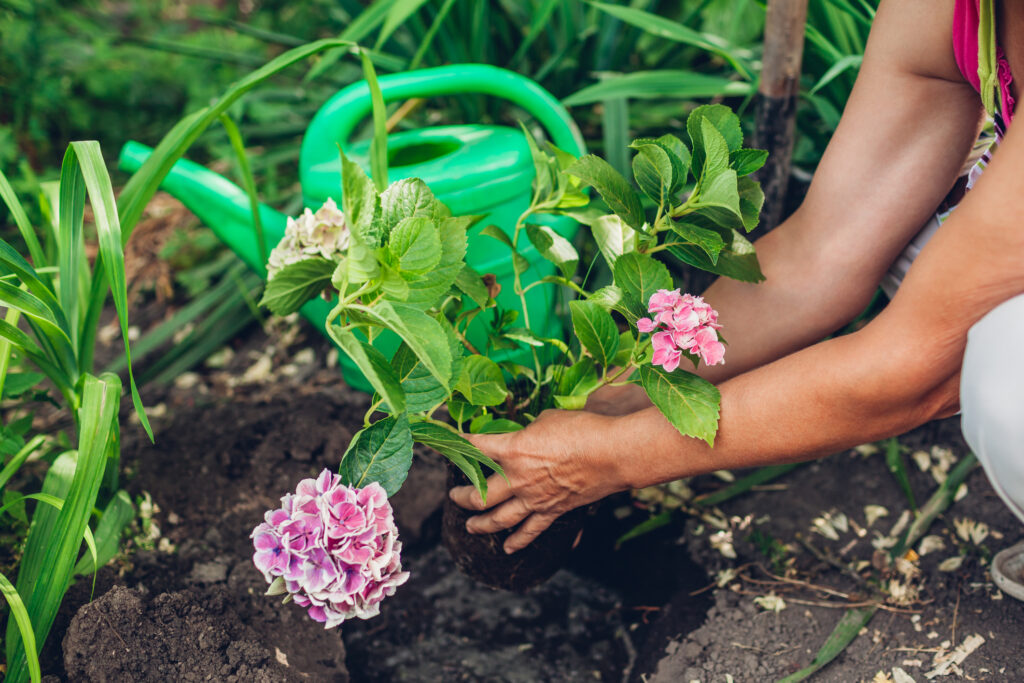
[218, 202]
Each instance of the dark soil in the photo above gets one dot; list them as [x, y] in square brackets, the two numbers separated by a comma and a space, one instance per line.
[237, 434]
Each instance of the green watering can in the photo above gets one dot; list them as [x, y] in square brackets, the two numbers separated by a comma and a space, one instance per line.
[474, 169]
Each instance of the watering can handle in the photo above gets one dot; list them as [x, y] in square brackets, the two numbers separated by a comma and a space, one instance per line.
[340, 115]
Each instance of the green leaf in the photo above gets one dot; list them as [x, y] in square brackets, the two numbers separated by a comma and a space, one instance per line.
[20, 618]
[722, 119]
[530, 338]
[613, 188]
[379, 142]
[689, 402]
[415, 245]
[429, 434]
[425, 291]
[52, 550]
[499, 426]
[482, 382]
[111, 250]
[295, 284]
[554, 248]
[654, 172]
[380, 453]
[710, 153]
[639, 276]
[625, 353]
[720, 192]
[679, 155]
[576, 383]
[359, 202]
[671, 30]
[423, 334]
[13, 297]
[116, 516]
[614, 238]
[400, 11]
[422, 390]
[374, 366]
[738, 262]
[461, 411]
[472, 285]
[751, 202]
[444, 442]
[708, 240]
[28, 234]
[407, 198]
[746, 161]
[661, 83]
[497, 233]
[596, 330]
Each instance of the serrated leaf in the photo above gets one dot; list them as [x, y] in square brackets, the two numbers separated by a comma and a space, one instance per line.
[625, 352]
[415, 244]
[738, 261]
[554, 248]
[461, 411]
[722, 119]
[362, 262]
[751, 202]
[639, 276]
[422, 390]
[499, 426]
[596, 330]
[482, 382]
[708, 240]
[297, 283]
[380, 453]
[374, 366]
[579, 379]
[613, 188]
[472, 285]
[423, 334]
[458, 450]
[614, 238]
[746, 161]
[689, 402]
[654, 172]
[407, 198]
[425, 291]
[18, 383]
[359, 202]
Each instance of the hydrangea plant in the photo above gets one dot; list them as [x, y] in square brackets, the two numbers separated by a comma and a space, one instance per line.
[395, 261]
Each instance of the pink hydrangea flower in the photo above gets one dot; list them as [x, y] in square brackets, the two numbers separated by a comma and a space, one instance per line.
[335, 548]
[682, 322]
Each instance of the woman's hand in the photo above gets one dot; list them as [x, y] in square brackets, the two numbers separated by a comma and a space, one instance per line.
[563, 460]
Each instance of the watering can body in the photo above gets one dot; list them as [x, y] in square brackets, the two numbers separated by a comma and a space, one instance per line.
[473, 169]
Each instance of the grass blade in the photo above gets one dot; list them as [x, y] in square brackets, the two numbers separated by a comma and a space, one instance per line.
[19, 458]
[379, 144]
[35, 250]
[115, 518]
[740, 486]
[665, 83]
[359, 28]
[248, 182]
[428, 38]
[108, 228]
[57, 551]
[898, 466]
[396, 16]
[70, 245]
[144, 183]
[855, 619]
[20, 617]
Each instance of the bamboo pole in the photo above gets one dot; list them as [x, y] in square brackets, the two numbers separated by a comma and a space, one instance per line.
[777, 100]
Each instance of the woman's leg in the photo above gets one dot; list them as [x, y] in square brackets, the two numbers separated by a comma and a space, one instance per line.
[992, 399]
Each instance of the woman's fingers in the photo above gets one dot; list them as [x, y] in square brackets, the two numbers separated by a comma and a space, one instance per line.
[534, 525]
[498, 491]
[502, 517]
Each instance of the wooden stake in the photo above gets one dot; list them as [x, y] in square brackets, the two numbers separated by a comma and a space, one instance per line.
[777, 100]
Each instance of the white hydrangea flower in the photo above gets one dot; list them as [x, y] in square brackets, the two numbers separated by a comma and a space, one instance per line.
[322, 234]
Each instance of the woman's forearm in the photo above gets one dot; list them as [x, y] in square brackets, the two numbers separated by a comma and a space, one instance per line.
[828, 397]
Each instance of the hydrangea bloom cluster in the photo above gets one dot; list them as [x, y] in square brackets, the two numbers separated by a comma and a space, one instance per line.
[323, 233]
[334, 547]
[682, 322]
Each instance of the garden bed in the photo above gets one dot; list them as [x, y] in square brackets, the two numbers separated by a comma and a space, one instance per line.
[186, 603]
